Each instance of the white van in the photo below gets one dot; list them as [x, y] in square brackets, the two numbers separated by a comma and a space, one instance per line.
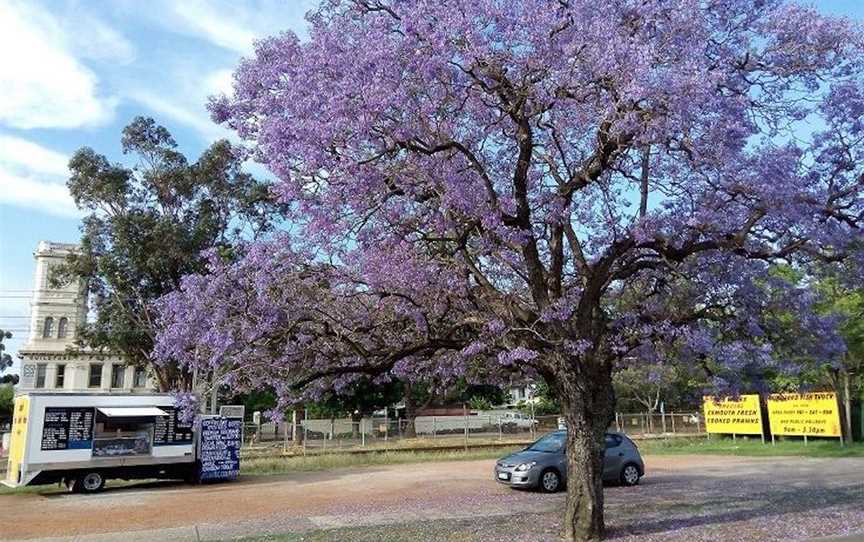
[84, 439]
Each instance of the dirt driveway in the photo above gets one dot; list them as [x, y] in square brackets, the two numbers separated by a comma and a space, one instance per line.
[682, 498]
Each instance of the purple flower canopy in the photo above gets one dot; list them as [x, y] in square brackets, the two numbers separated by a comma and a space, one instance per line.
[484, 187]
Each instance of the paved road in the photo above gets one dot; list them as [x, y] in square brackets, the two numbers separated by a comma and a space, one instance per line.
[682, 498]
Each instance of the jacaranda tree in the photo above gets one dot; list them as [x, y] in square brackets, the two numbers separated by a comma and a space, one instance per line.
[548, 187]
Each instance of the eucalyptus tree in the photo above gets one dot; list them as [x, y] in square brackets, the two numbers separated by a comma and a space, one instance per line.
[150, 224]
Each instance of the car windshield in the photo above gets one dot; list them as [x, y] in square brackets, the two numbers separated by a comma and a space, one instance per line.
[551, 443]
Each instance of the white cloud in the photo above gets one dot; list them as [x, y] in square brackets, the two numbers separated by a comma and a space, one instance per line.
[223, 29]
[234, 25]
[220, 82]
[193, 116]
[42, 85]
[28, 156]
[25, 191]
[35, 177]
[99, 42]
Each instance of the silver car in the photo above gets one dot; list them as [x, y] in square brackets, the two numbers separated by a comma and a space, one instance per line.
[543, 465]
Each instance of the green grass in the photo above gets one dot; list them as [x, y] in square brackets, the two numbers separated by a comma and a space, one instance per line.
[282, 465]
[741, 446]
[413, 444]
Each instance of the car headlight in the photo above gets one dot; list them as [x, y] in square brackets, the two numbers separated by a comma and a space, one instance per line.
[525, 466]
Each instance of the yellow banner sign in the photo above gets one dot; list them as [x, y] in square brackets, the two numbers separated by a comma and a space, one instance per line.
[742, 416]
[810, 414]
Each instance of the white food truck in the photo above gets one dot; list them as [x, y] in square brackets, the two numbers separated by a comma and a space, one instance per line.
[83, 440]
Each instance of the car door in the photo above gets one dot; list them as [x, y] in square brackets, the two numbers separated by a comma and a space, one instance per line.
[613, 457]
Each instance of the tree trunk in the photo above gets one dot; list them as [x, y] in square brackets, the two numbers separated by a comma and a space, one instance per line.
[587, 401]
[356, 417]
[297, 430]
[410, 413]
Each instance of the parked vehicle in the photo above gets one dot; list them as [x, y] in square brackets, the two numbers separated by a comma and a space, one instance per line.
[84, 439]
[543, 464]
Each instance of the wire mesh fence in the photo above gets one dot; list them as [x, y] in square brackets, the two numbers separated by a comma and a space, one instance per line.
[643, 423]
[470, 429]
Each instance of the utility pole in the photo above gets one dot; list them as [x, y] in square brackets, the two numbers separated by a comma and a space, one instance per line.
[847, 404]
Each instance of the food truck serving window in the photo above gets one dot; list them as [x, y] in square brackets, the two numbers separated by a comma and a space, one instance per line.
[131, 412]
[125, 431]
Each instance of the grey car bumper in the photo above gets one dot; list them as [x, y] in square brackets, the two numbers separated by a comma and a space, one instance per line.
[510, 477]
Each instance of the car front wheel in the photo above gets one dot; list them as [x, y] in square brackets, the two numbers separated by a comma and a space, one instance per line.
[550, 481]
[630, 475]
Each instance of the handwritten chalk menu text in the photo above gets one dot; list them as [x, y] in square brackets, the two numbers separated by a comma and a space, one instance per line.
[219, 448]
[67, 428]
[171, 429]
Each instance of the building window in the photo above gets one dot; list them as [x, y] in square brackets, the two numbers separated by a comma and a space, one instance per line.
[117, 376]
[48, 329]
[60, 379]
[96, 375]
[140, 380]
[62, 328]
[41, 371]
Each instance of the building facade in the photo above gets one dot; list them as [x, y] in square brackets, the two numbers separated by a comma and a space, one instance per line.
[49, 358]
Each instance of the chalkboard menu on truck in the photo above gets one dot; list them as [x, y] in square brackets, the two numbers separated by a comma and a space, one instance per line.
[171, 429]
[219, 448]
[67, 428]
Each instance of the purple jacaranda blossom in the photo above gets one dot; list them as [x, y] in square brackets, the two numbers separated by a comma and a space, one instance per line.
[575, 186]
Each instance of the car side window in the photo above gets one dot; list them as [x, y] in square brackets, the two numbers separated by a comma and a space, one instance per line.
[612, 441]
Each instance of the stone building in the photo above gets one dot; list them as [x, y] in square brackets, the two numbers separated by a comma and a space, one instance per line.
[49, 360]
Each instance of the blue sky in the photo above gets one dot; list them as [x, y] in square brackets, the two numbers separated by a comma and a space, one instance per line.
[74, 72]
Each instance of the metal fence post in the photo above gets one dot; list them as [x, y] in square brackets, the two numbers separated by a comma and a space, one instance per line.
[673, 422]
[465, 415]
[362, 432]
[500, 433]
[434, 434]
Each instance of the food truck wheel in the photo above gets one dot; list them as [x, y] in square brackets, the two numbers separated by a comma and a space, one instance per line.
[89, 482]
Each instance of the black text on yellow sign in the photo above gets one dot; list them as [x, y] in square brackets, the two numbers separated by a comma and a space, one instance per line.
[804, 414]
[741, 415]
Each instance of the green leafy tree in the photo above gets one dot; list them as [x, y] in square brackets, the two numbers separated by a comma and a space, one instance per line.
[5, 359]
[149, 225]
[478, 402]
[847, 305]
[545, 402]
[7, 395]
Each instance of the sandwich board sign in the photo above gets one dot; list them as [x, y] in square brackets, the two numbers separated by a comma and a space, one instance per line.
[219, 448]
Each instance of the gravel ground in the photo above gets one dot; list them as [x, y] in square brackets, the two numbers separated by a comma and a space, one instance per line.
[683, 498]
